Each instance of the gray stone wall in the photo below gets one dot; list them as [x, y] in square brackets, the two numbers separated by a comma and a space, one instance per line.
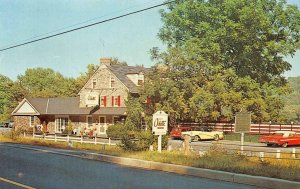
[103, 78]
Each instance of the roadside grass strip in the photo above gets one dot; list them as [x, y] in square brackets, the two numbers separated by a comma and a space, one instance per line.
[16, 183]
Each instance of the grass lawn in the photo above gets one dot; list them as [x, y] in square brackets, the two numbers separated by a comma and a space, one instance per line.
[237, 137]
[217, 158]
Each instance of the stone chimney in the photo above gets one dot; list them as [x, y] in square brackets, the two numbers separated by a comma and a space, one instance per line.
[105, 61]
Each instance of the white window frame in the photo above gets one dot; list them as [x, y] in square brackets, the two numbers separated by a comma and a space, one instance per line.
[60, 116]
[104, 120]
[116, 104]
[30, 121]
[94, 86]
[112, 79]
[103, 101]
[113, 119]
[87, 121]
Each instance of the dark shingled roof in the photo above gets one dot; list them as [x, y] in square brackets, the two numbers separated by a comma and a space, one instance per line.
[60, 105]
[121, 71]
[111, 111]
[70, 106]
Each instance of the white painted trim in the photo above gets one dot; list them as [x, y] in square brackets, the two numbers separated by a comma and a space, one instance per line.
[30, 121]
[87, 120]
[21, 104]
[113, 118]
[104, 119]
[60, 116]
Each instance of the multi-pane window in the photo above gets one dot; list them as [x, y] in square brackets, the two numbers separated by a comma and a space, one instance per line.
[31, 122]
[61, 123]
[103, 101]
[90, 121]
[116, 101]
[115, 119]
[112, 83]
[94, 83]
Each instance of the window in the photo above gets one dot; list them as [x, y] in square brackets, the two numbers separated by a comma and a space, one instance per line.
[103, 101]
[61, 123]
[31, 121]
[94, 83]
[115, 119]
[140, 79]
[102, 120]
[112, 82]
[140, 82]
[89, 121]
[116, 101]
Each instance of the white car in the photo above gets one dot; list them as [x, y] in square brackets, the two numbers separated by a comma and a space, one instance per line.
[199, 134]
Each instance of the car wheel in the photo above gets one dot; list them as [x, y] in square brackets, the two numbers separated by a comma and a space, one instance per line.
[217, 137]
[269, 144]
[197, 138]
[285, 145]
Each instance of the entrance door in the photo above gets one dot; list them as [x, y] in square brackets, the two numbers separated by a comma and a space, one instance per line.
[102, 123]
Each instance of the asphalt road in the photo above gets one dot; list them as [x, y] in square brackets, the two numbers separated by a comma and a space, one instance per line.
[39, 169]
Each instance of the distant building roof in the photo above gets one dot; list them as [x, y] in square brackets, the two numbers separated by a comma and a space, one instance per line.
[121, 71]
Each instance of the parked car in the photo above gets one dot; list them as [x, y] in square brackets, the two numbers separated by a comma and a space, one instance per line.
[176, 132]
[281, 138]
[201, 134]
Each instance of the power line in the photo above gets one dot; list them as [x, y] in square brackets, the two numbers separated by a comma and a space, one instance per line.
[89, 25]
[70, 26]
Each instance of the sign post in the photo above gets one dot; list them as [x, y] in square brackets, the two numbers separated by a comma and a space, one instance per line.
[242, 125]
[160, 126]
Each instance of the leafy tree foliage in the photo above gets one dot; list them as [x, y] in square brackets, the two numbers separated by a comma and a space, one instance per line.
[292, 101]
[44, 82]
[222, 57]
[9, 96]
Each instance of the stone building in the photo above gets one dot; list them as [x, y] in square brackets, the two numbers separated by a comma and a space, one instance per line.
[99, 104]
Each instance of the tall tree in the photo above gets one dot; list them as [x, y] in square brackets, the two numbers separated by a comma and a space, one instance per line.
[224, 56]
[9, 94]
[44, 82]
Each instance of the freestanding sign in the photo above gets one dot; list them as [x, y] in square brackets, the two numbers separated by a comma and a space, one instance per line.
[242, 122]
[242, 125]
[160, 126]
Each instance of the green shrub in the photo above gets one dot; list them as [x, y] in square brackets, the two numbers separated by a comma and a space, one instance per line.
[116, 131]
[68, 130]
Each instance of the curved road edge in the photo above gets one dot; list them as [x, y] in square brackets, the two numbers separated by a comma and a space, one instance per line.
[258, 181]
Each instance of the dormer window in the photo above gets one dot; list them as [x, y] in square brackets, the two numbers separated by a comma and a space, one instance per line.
[140, 79]
[94, 83]
[112, 82]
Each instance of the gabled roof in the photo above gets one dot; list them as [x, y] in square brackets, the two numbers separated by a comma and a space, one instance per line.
[121, 72]
[25, 108]
[61, 106]
[54, 106]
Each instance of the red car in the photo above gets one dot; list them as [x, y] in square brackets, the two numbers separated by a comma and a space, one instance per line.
[281, 138]
[176, 132]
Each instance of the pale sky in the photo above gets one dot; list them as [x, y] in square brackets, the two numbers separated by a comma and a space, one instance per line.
[129, 38]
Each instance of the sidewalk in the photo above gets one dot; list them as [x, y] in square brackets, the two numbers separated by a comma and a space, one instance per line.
[258, 181]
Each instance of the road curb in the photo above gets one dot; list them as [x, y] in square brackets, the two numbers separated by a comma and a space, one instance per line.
[258, 181]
